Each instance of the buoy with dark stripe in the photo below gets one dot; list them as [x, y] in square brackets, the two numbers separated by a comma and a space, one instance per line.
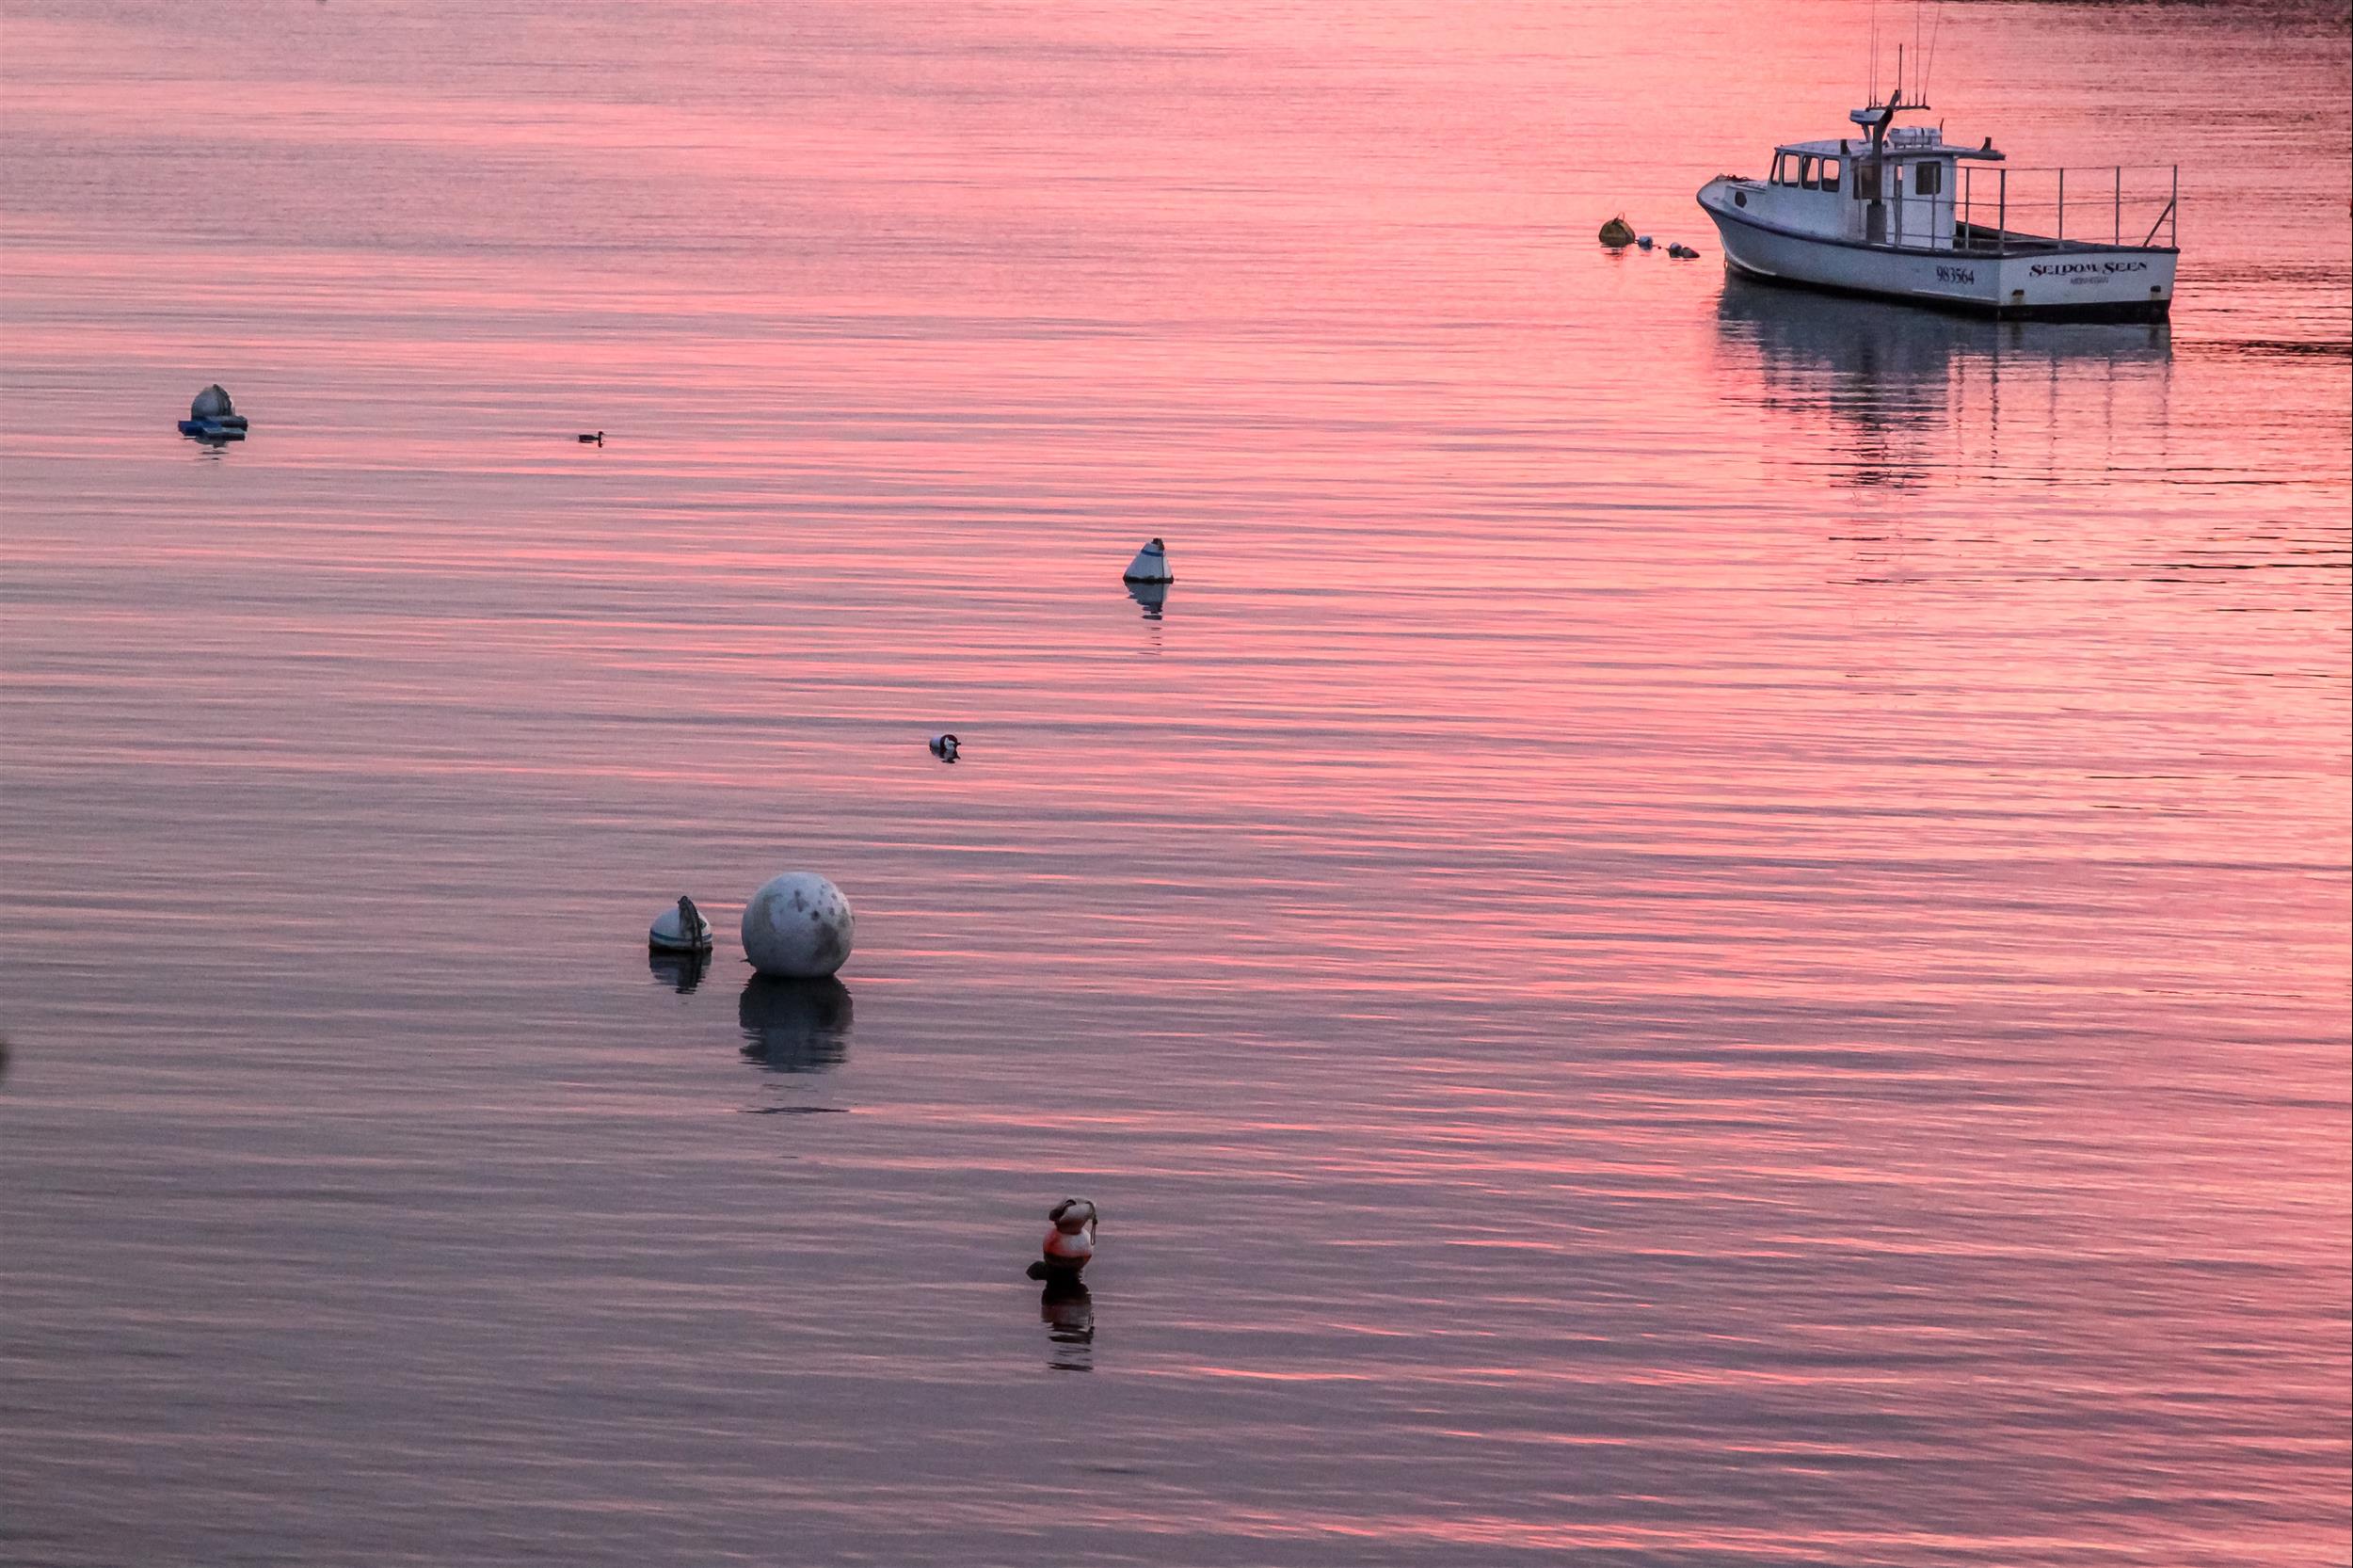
[1150, 564]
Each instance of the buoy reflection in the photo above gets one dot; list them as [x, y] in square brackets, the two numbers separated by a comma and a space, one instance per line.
[1152, 596]
[794, 1026]
[1068, 1313]
[681, 972]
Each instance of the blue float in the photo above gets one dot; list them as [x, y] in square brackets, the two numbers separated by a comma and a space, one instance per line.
[213, 418]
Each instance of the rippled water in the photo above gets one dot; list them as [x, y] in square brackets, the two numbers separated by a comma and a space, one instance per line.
[1711, 927]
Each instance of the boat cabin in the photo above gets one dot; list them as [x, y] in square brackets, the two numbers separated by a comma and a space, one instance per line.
[1903, 193]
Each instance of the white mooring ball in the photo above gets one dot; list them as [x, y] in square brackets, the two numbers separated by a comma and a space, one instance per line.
[798, 926]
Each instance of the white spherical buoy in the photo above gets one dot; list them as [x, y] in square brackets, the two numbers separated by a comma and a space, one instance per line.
[798, 926]
[1150, 564]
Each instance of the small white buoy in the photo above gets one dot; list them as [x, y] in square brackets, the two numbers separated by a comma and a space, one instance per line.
[1150, 564]
[1069, 1241]
[680, 930]
[798, 926]
[944, 747]
[1644, 242]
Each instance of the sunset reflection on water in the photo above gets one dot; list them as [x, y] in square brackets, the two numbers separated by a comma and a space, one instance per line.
[1710, 926]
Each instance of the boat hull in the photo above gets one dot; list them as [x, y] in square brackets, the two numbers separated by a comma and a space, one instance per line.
[2039, 279]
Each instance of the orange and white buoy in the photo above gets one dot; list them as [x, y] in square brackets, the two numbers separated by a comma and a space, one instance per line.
[1069, 1241]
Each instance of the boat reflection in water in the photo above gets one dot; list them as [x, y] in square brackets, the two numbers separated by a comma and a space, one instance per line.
[681, 972]
[794, 1026]
[1911, 392]
[1068, 1313]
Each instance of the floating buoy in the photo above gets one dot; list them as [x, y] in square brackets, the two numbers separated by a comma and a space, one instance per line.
[1644, 242]
[1617, 234]
[798, 926]
[597, 440]
[1150, 564]
[213, 418]
[944, 747]
[1069, 1241]
[680, 930]
[1681, 253]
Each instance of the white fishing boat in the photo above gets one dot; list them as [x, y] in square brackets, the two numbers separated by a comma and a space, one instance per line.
[1897, 210]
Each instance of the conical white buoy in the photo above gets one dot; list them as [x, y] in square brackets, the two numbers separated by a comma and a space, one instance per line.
[1070, 1244]
[680, 930]
[798, 926]
[944, 747]
[1150, 564]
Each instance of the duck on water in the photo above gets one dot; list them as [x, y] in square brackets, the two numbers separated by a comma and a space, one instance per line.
[1899, 211]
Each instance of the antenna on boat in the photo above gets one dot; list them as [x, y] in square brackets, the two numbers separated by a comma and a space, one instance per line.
[1873, 95]
[1936, 28]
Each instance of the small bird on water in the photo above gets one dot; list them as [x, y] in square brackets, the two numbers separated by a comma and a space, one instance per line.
[1070, 1244]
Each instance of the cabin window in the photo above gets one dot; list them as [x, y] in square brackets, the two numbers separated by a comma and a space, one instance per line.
[1826, 174]
[1779, 159]
[1805, 172]
[1928, 179]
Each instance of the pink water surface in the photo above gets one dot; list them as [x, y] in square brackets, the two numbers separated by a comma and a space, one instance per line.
[1711, 928]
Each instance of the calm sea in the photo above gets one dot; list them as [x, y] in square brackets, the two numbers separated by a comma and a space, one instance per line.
[1711, 928]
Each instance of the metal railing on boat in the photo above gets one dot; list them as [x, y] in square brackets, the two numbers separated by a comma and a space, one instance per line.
[2028, 196]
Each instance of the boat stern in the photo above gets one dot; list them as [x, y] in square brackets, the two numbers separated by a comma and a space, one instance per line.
[2122, 283]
